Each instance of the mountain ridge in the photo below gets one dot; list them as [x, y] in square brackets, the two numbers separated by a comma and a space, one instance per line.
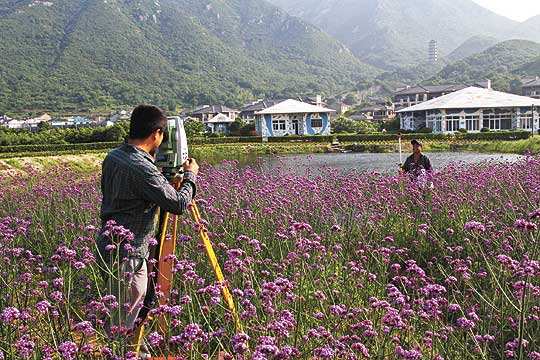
[504, 63]
[387, 34]
[94, 53]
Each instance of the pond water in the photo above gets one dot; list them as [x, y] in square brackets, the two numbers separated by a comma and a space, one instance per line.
[368, 162]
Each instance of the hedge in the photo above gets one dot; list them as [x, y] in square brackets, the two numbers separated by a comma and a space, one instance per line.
[225, 140]
[58, 147]
[495, 135]
[298, 138]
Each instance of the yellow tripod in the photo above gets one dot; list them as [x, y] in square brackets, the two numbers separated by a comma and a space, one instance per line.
[165, 270]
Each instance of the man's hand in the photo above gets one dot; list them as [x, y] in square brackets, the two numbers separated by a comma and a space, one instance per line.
[191, 165]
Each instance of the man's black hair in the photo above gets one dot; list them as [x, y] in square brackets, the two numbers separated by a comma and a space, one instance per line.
[145, 119]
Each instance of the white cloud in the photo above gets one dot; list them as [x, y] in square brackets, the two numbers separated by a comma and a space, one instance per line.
[519, 10]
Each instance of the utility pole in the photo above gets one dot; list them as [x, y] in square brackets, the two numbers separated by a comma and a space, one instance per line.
[532, 119]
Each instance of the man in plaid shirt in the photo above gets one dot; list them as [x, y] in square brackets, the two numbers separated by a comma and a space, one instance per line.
[133, 192]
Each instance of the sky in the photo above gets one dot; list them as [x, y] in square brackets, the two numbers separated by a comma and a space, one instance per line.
[519, 10]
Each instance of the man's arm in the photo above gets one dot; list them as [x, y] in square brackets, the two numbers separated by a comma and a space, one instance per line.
[407, 165]
[428, 164]
[155, 188]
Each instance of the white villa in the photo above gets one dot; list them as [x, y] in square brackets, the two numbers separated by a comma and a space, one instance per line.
[473, 108]
[220, 123]
[293, 117]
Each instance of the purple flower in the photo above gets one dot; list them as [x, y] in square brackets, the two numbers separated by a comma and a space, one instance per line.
[465, 323]
[85, 327]
[423, 228]
[57, 296]
[68, 350]
[325, 352]
[475, 226]
[338, 310]
[110, 247]
[361, 348]
[155, 339]
[408, 354]
[25, 346]
[266, 348]
[524, 225]
[9, 315]
[43, 306]
[240, 343]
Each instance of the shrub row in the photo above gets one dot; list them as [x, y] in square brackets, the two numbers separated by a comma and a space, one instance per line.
[313, 138]
[501, 135]
[57, 147]
[258, 139]
[225, 140]
[495, 135]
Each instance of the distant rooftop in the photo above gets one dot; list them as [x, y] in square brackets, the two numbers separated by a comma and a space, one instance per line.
[429, 89]
[531, 82]
[474, 97]
[261, 105]
[220, 118]
[213, 109]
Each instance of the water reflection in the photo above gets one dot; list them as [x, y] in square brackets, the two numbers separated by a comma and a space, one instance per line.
[386, 163]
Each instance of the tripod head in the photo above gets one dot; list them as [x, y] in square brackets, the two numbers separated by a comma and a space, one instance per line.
[173, 151]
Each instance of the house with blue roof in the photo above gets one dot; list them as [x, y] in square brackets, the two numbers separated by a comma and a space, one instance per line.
[293, 117]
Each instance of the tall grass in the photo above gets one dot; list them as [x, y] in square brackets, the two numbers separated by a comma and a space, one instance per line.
[323, 265]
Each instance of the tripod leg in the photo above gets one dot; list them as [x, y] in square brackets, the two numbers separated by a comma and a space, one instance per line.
[150, 298]
[165, 274]
[215, 265]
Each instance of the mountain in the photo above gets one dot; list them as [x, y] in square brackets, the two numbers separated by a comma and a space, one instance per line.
[471, 46]
[392, 33]
[530, 69]
[73, 54]
[529, 29]
[502, 63]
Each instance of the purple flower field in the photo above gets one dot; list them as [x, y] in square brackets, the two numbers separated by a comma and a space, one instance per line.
[322, 266]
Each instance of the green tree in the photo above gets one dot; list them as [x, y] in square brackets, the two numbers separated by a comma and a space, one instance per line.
[194, 128]
[237, 126]
[345, 125]
[44, 126]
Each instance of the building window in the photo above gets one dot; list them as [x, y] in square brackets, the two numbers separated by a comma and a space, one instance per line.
[434, 122]
[279, 125]
[472, 122]
[526, 121]
[452, 123]
[506, 122]
[497, 121]
[316, 123]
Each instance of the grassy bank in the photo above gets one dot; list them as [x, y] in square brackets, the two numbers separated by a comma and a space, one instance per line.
[90, 160]
[531, 145]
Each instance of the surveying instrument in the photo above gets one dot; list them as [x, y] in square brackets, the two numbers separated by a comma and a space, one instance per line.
[172, 154]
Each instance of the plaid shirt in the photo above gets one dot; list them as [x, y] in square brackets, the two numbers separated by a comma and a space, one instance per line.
[133, 191]
[414, 168]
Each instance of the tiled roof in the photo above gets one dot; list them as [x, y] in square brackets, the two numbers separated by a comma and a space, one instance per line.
[419, 89]
[532, 82]
[213, 109]
[474, 97]
[260, 105]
